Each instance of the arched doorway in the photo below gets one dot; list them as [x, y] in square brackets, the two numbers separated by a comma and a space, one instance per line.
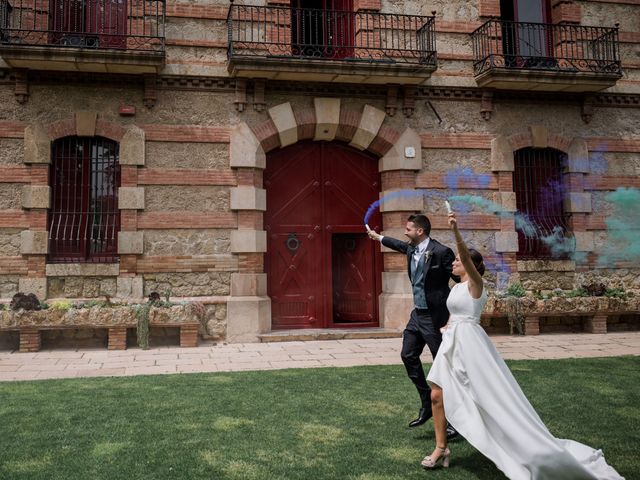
[322, 269]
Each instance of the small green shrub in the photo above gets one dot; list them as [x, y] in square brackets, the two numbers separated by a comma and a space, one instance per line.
[63, 305]
[616, 293]
[516, 290]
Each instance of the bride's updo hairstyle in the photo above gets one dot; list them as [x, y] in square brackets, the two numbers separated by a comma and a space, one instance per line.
[478, 262]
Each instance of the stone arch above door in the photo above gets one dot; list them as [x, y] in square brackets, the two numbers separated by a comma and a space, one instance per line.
[248, 308]
[327, 120]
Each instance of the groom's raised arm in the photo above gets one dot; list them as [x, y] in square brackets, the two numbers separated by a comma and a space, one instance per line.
[395, 244]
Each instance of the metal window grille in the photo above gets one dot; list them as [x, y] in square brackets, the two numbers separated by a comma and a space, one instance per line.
[84, 219]
[539, 188]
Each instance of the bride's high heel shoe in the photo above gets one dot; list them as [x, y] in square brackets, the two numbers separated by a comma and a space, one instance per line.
[428, 462]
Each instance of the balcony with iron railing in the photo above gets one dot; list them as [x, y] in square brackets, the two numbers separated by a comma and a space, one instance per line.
[548, 57]
[290, 43]
[118, 36]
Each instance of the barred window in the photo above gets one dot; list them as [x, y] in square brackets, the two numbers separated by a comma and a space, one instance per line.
[84, 219]
[539, 188]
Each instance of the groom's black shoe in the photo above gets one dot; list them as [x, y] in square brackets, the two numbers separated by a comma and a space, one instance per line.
[424, 415]
[452, 433]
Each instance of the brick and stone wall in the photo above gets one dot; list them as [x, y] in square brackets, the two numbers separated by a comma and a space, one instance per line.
[192, 197]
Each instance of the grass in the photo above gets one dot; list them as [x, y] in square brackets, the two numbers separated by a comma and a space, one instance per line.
[332, 423]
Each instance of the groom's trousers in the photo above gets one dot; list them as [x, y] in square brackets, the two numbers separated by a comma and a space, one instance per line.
[420, 331]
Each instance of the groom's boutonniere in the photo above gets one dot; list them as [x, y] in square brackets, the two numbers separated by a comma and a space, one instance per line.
[427, 255]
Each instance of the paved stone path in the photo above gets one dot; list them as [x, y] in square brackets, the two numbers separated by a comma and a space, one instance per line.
[61, 363]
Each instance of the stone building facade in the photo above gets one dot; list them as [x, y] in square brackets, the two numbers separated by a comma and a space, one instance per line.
[196, 127]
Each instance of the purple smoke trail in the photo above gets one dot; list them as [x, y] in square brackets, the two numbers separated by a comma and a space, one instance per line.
[453, 177]
[397, 194]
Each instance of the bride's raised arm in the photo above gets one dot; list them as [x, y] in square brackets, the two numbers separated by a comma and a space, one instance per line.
[475, 279]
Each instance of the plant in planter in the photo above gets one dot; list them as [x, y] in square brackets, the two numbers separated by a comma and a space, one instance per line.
[142, 316]
[62, 305]
[514, 294]
[21, 301]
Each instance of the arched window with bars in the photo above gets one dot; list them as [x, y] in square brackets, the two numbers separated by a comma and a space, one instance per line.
[84, 219]
[540, 192]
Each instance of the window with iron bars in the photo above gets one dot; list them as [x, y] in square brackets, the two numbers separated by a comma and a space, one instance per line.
[84, 219]
[540, 191]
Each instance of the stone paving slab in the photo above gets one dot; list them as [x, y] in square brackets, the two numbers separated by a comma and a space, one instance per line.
[166, 360]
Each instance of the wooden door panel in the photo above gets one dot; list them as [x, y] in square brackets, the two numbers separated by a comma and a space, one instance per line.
[294, 272]
[350, 181]
[352, 270]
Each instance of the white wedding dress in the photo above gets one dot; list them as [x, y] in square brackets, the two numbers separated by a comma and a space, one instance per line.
[483, 401]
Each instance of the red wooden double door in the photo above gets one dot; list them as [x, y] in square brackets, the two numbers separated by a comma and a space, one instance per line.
[322, 269]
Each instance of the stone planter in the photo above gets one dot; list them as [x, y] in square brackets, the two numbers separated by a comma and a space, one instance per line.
[595, 309]
[116, 319]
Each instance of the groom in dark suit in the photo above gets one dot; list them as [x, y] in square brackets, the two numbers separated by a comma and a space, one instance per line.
[429, 265]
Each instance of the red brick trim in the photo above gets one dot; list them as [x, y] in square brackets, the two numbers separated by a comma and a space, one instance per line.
[128, 176]
[128, 220]
[14, 219]
[109, 130]
[398, 179]
[250, 262]
[186, 220]
[489, 8]
[185, 176]
[467, 222]
[38, 219]
[10, 129]
[30, 340]
[369, 5]
[437, 181]
[306, 121]
[14, 265]
[186, 264]
[20, 174]
[612, 144]
[456, 140]
[189, 336]
[117, 338]
[384, 140]
[249, 177]
[610, 182]
[349, 121]
[62, 128]
[39, 174]
[267, 134]
[187, 10]
[250, 220]
[186, 133]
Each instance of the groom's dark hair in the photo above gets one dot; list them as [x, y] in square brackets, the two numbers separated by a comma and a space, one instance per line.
[421, 221]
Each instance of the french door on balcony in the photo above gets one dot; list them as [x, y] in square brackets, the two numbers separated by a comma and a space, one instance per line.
[527, 40]
[88, 23]
[322, 28]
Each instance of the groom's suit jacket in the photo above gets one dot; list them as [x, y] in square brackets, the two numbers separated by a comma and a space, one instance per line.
[437, 270]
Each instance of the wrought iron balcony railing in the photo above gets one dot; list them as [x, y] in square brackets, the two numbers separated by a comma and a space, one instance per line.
[323, 34]
[501, 44]
[136, 25]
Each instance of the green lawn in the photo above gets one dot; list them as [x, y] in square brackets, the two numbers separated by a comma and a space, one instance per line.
[333, 423]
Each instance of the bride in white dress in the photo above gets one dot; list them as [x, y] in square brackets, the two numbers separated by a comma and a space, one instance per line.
[483, 401]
